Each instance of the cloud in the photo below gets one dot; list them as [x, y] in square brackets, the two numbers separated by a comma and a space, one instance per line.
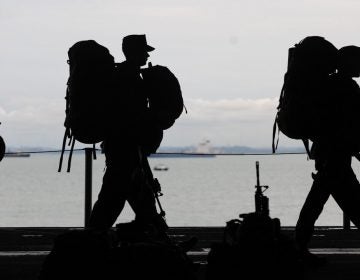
[239, 121]
[238, 109]
[33, 111]
[32, 122]
[39, 121]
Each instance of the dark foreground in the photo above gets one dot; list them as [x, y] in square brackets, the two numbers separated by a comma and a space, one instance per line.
[23, 250]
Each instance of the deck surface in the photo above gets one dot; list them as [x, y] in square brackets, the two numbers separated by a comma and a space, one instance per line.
[23, 250]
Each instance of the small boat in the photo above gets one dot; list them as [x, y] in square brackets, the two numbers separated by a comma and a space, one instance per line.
[17, 154]
[161, 167]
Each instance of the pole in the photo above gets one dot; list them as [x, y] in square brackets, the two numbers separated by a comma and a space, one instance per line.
[88, 184]
[258, 193]
[346, 221]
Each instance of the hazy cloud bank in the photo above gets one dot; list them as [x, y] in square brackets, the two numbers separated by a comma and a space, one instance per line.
[226, 121]
[238, 109]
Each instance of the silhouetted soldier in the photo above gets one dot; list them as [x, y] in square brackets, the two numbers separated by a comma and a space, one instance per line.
[2, 148]
[125, 178]
[333, 152]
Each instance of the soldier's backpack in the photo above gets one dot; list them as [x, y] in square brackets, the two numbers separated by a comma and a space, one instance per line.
[89, 87]
[303, 109]
[164, 94]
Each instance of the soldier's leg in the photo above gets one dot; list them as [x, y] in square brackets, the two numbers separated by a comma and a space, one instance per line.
[142, 199]
[111, 199]
[346, 193]
[311, 210]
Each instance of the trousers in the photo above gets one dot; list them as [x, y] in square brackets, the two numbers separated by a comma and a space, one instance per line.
[125, 179]
[335, 177]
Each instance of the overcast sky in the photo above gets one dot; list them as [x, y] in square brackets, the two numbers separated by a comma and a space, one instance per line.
[229, 56]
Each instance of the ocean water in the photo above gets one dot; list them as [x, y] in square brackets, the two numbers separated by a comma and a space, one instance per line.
[197, 191]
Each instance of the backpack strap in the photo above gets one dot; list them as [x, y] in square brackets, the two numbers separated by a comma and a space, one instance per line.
[275, 145]
[185, 108]
[94, 151]
[72, 143]
[66, 135]
[307, 147]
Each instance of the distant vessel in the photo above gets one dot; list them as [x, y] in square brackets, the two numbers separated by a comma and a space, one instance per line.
[203, 149]
[161, 167]
[17, 154]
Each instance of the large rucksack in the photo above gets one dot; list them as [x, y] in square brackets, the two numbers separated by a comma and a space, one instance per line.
[303, 110]
[164, 94]
[89, 87]
[348, 99]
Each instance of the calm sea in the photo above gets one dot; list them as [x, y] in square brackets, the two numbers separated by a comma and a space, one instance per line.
[197, 191]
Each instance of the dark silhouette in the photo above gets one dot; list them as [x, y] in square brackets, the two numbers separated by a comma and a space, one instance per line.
[2, 148]
[89, 90]
[145, 102]
[303, 110]
[126, 108]
[307, 112]
[131, 127]
[133, 117]
[253, 247]
[88, 254]
[332, 151]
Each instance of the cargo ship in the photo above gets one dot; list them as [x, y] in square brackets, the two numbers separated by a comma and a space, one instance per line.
[203, 149]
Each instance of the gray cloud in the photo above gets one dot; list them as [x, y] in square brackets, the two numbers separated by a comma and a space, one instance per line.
[238, 109]
[239, 121]
[42, 119]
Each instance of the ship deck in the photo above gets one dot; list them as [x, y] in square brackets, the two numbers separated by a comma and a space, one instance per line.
[23, 250]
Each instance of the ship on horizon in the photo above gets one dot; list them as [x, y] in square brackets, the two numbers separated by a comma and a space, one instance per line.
[203, 149]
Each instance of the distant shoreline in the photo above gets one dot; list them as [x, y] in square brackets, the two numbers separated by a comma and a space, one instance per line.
[218, 150]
